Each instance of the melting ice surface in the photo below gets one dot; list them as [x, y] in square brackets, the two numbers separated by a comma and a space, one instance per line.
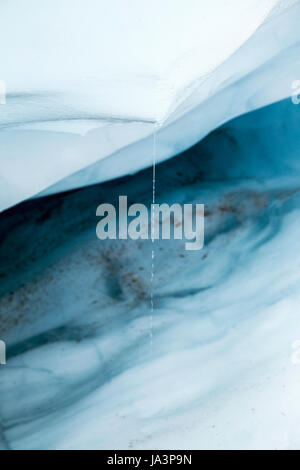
[219, 370]
[75, 312]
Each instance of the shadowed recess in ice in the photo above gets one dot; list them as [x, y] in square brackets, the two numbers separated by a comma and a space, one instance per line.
[81, 372]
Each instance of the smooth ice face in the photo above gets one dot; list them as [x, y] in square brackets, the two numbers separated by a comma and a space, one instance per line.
[221, 369]
[112, 59]
[85, 82]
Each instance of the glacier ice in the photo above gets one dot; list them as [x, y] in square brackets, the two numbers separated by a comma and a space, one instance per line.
[80, 372]
[220, 369]
[77, 104]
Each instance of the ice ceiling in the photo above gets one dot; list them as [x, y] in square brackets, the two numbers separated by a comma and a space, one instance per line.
[87, 83]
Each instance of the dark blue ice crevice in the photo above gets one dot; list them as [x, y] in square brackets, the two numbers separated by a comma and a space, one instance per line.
[80, 372]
